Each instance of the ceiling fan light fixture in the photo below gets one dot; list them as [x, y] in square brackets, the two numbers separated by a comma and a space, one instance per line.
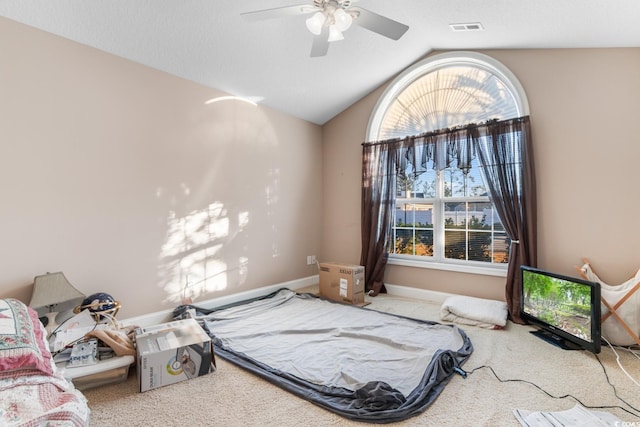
[335, 34]
[315, 23]
[328, 19]
[342, 19]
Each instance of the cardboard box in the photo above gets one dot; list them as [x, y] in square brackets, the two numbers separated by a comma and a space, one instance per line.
[172, 352]
[342, 282]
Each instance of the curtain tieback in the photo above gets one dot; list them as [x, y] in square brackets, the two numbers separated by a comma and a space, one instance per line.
[515, 241]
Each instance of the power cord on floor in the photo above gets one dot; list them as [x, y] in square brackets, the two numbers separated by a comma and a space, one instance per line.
[636, 414]
[615, 391]
[613, 349]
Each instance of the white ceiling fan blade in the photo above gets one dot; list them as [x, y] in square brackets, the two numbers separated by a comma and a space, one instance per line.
[320, 45]
[380, 24]
[278, 12]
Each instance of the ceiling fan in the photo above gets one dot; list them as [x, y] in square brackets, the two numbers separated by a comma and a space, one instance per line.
[330, 18]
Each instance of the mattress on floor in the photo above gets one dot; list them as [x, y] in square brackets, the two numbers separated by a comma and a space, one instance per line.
[362, 364]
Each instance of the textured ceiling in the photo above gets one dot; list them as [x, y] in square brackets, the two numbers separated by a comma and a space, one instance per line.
[208, 42]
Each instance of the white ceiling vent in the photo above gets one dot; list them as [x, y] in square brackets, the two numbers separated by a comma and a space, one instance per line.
[467, 26]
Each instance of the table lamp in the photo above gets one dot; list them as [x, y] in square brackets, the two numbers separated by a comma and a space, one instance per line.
[50, 290]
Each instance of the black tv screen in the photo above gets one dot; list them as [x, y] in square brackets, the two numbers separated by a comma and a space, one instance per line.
[566, 310]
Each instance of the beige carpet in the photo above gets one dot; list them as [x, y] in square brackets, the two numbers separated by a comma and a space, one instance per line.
[233, 397]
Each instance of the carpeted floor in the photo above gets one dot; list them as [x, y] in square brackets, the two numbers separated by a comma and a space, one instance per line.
[233, 397]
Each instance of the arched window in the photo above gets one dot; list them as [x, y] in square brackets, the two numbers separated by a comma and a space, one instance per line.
[443, 217]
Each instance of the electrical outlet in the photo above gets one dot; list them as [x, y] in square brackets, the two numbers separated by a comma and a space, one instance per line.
[311, 259]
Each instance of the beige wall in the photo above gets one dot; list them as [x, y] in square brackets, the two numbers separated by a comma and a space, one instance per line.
[584, 108]
[121, 177]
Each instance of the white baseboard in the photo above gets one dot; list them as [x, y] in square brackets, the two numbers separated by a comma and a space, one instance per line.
[415, 293]
[167, 315]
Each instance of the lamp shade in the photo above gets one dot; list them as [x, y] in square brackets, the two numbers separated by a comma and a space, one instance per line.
[51, 289]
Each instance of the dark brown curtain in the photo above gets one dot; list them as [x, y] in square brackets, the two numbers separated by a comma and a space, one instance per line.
[506, 157]
[378, 196]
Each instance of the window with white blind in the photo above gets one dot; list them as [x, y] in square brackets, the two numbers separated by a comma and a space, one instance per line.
[444, 218]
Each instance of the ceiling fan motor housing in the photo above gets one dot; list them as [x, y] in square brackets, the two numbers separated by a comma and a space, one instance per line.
[322, 4]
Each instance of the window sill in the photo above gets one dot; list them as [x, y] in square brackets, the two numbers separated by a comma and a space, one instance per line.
[499, 271]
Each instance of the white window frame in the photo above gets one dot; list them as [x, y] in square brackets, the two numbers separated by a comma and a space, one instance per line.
[397, 86]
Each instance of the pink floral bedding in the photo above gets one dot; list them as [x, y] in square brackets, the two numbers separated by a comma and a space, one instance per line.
[32, 391]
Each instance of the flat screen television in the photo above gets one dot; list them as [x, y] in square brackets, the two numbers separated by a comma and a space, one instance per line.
[565, 310]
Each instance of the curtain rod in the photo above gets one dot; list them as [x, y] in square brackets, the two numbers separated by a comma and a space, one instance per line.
[445, 131]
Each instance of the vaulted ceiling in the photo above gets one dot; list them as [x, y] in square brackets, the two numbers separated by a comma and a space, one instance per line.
[209, 42]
